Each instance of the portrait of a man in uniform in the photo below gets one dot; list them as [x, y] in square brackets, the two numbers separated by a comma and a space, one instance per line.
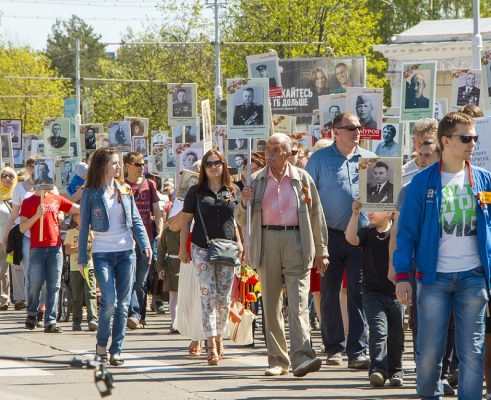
[181, 107]
[56, 140]
[248, 113]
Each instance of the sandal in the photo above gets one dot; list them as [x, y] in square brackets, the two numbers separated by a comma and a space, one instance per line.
[101, 357]
[220, 349]
[195, 348]
[213, 356]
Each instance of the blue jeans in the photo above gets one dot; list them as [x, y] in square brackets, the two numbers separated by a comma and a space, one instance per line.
[386, 341]
[26, 248]
[139, 292]
[464, 294]
[343, 256]
[45, 265]
[114, 273]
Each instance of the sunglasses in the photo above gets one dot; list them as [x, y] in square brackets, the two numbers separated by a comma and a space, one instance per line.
[138, 165]
[216, 163]
[294, 152]
[10, 176]
[350, 128]
[466, 139]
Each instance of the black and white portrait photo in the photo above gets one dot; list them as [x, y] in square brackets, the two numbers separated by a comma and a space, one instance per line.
[418, 88]
[188, 157]
[469, 93]
[237, 160]
[237, 144]
[14, 128]
[44, 173]
[120, 135]
[182, 107]
[266, 66]
[366, 104]
[380, 188]
[140, 145]
[6, 143]
[329, 107]
[440, 109]
[56, 135]
[74, 149]
[185, 134]
[249, 108]
[88, 133]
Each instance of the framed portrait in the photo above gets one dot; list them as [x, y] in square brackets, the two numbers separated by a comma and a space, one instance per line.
[88, 134]
[466, 88]
[237, 160]
[44, 173]
[182, 103]
[266, 66]
[367, 105]
[441, 109]
[248, 109]
[259, 145]
[380, 183]
[14, 128]
[158, 140]
[38, 148]
[237, 145]
[284, 124]
[219, 137]
[119, 135]
[6, 143]
[482, 152]
[18, 156]
[101, 140]
[188, 156]
[330, 105]
[485, 102]
[74, 149]
[139, 144]
[316, 132]
[56, 135]
[206, 120]
[188, 179]
[391, 142]
[27, 139]
[139, 126]
[418, 90]
[186, 134]
[65, 171]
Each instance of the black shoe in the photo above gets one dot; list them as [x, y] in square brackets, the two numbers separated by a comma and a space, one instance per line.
[93, 326]
[116, 360]
[307, 366]
[30, 322]
[77, 327]
[53, 328]
[360, 362]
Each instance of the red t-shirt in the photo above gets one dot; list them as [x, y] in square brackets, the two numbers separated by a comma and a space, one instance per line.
[144, 199]
[51, 228]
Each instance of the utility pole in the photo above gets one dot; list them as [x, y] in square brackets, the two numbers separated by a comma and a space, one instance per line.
[218, 64]
[476, 37]
[78, 116]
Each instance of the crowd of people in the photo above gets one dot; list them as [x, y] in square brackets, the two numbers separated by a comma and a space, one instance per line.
[310, 238]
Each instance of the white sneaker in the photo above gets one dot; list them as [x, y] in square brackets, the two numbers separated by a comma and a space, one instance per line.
[276, 371]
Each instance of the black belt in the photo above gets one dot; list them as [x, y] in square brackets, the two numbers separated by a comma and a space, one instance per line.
[281, 227]
[339, 231]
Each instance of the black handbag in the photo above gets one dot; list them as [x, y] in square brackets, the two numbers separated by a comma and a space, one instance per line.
[220, 251]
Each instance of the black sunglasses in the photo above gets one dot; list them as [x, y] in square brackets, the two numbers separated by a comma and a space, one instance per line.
[350, 128]
[294, 152]
[5, 176]
[466, 139]
[137, 164]
[216, 163]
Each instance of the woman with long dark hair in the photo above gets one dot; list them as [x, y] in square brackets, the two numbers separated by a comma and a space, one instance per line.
[216, 196]
[109, 210]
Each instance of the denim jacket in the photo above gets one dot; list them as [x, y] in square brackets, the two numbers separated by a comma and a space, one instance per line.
[93, 216]
[418, 230]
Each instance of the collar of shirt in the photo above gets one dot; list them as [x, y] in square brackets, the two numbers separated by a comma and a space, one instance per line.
[287, 173]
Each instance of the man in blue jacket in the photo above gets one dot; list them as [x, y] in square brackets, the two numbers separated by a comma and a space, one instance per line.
[445, 223]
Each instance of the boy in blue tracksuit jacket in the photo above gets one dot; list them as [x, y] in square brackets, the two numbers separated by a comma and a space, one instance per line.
[445, 223]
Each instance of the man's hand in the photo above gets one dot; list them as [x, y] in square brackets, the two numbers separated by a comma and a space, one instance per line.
[356, 207]
[40, 211]
[321, 264]
[404, 293]
[148, 253]
[247, 195]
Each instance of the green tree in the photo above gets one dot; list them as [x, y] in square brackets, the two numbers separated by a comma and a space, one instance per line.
[177, 63]
[61, 47]
[32, 100]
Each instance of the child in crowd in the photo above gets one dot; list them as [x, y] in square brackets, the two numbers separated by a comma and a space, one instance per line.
[82, 283]
[383, 311]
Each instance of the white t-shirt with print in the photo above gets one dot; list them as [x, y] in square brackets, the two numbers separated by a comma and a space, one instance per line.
[457, 249]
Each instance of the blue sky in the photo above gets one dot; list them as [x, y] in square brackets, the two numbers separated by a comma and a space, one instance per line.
[28, 22]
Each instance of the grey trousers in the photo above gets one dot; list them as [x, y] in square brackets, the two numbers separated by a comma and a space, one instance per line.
[282, 260]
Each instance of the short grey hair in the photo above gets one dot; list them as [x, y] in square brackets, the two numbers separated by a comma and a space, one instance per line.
[285, 140]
